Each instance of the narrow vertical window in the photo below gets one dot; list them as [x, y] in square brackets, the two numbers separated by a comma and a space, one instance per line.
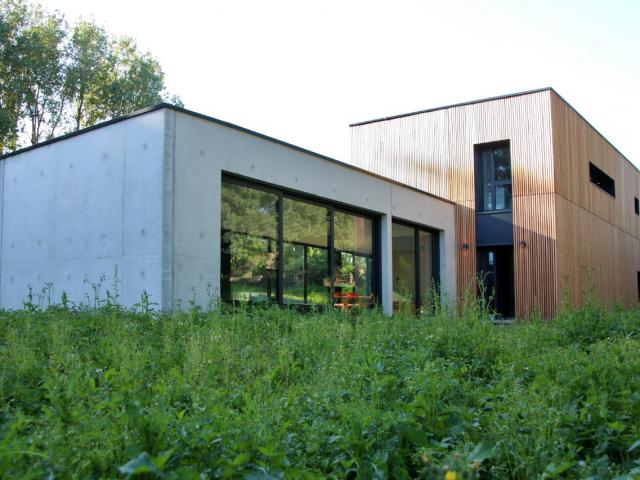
[493, 177]
[636, 205]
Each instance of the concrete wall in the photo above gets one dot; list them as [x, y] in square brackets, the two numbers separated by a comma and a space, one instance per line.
[75, 210]
[142, 196]
[204, 149]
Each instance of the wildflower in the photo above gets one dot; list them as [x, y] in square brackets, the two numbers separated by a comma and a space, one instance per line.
[451, 475]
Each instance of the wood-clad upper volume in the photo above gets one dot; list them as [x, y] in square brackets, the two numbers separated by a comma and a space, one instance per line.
[559, 217]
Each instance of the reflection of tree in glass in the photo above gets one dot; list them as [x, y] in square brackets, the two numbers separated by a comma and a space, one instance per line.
[248, 252]
[502, 163]
[305, 223]
[248, 210]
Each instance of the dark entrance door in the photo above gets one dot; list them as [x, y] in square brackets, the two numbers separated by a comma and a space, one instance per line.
[495, 268]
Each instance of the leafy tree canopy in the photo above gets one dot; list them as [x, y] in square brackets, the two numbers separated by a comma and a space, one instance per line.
[56, 78]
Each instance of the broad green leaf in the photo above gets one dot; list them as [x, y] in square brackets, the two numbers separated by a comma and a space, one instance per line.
[485, 449]
[143, 463]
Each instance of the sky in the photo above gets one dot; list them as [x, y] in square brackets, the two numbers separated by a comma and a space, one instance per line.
[302, 71]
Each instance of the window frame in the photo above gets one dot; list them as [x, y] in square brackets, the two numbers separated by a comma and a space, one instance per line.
[435, 256]
[332, 207]
[479, 148]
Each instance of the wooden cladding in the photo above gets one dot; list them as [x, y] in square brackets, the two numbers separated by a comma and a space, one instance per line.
[595, 257]
[434, 151]
[575, 145]
[568, 234]
[465, 245]
[598, 235]
[535, 255]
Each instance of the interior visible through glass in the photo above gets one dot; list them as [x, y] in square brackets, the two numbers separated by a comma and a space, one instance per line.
[353, 261]
[312, 235]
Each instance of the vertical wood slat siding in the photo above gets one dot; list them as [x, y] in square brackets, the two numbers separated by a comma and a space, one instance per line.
[535, 262]
[598, 235]
[434, 152]
[465, 259]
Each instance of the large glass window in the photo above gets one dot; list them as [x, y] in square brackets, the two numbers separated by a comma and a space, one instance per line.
[493, 171]
[353, 261]
[277, 247]
[249, 244]
[306, 253]
[414, 266]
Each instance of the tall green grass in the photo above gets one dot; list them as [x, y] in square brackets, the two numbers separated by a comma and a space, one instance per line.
[269, 393]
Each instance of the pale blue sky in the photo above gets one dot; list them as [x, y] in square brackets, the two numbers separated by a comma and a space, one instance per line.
[302, 71]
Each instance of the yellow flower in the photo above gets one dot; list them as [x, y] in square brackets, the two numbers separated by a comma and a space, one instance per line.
[451, 475]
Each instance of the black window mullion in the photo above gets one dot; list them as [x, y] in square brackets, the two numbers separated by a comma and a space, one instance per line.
[494, 189]
[305, 274]
[416, 266]
[280, 251]
[435, 259]
[332, 252]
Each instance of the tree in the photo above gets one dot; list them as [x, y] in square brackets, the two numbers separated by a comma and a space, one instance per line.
[55, 79]
[41, 76]
[13, 19]
[88, 70]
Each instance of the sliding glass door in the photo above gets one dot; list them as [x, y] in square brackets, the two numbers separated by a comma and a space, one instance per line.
[282, 248]
[414, 263]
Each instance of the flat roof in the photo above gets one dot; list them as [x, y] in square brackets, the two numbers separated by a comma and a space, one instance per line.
[491, 99]
[169, 106]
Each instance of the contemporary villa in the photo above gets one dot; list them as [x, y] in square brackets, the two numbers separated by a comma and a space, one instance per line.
[188, 208]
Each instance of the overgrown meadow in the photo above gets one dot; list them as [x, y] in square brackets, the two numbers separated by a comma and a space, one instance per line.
[270, 393]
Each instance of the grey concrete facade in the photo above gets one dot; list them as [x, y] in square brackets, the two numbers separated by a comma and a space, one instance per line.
[142, 195]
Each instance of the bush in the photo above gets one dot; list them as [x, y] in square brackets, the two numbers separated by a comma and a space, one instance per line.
[268, 393]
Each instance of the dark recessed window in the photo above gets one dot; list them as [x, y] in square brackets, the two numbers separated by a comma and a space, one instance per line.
[602, 180]
[493, 177]
[636, 204]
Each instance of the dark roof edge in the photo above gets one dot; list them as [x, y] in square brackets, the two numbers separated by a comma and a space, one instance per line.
[303, 150]
[501, 97]
[202, 116]
[454, 105]
[88, 129]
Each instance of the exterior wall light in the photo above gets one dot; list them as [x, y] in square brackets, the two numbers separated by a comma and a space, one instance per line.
[465, 246]
[523, 243]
